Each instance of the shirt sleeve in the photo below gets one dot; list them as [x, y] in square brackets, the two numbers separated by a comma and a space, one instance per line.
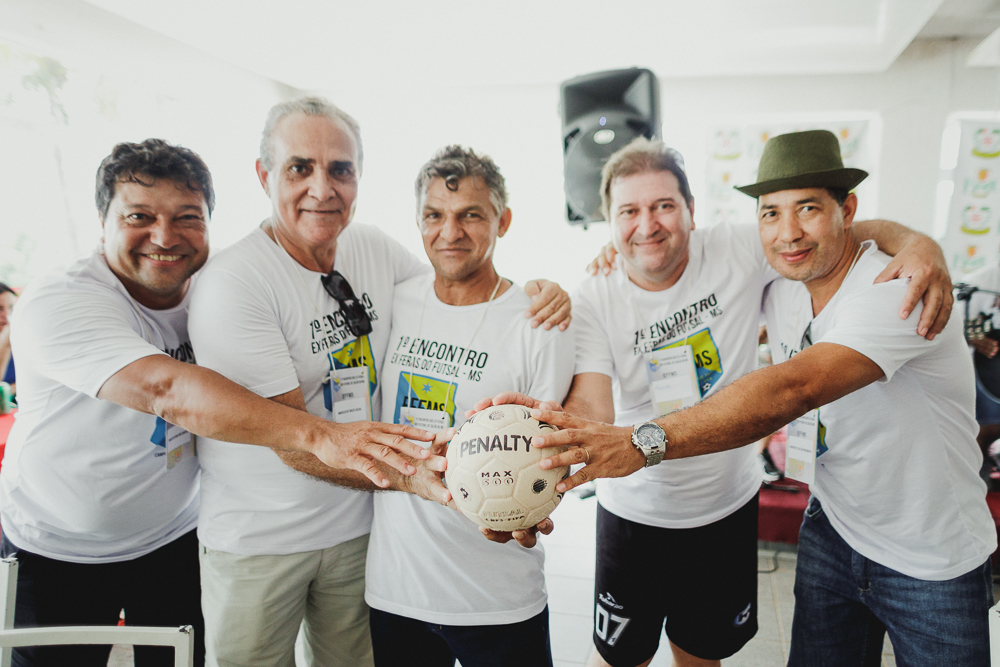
[593, 345]
[552, 368]
[78, 334]
[235, 330]
[868, 322]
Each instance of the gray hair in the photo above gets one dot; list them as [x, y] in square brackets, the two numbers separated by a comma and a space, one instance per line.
[311, 106]
[453, 163]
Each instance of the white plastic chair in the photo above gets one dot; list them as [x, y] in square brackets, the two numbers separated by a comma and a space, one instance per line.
[994, 635]
[182, 638]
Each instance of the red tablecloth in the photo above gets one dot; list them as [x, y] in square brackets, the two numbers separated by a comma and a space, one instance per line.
[6, 421]
[781, 512]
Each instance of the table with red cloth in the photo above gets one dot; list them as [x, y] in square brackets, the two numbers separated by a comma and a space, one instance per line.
[6, 421]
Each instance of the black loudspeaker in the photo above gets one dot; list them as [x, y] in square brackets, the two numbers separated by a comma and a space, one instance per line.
[602, 112]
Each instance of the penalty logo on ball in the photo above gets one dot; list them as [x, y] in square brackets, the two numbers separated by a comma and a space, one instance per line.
[493, 471]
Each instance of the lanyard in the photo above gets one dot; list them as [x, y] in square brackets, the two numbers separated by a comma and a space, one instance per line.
[420, 326]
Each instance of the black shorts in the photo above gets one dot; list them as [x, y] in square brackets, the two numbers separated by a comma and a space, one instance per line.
[702, 580]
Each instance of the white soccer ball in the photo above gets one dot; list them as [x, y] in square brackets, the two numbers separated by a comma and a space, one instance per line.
[493, 473]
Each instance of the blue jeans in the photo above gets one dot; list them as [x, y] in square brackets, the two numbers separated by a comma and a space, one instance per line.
[845, 603]
[399, 641]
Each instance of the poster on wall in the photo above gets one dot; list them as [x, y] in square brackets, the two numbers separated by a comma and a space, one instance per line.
[734, 154]
[972, 240]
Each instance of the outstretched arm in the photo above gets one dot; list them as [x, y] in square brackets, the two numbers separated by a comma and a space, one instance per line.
[207, 404]
[733, 417]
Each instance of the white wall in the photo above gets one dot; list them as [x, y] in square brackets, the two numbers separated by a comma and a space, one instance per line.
[519, 127]
[153, 86]
[124, 83]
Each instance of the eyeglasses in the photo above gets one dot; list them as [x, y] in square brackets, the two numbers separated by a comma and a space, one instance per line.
[358, 322]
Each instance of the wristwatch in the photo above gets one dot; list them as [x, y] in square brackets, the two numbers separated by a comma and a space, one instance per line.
[651, 442]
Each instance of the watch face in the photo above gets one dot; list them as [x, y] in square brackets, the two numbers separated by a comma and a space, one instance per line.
[650, 435]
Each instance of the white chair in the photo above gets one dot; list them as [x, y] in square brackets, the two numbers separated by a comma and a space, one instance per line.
[994, 635]
[182, 638]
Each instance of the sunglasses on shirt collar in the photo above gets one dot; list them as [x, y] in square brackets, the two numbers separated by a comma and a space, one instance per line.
[357, 320]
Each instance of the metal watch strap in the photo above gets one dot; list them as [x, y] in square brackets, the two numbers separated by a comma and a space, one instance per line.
[652, 452]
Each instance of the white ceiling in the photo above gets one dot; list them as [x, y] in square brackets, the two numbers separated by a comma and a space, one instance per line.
[326, 45]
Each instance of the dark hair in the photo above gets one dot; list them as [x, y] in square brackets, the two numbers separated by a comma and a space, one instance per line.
[145, 163]
[839, 194]
[4, 287]
[640, 156]
[453, 163]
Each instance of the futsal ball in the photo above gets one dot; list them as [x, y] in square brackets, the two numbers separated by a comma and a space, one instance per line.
[493, 472]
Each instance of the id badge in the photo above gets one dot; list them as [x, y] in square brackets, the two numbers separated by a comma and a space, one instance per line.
[800, 454]
[673, 379]
[349, 395]
[428, 420]
[180, 445]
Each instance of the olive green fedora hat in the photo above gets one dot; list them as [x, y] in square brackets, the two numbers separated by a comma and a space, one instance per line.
[802, 160]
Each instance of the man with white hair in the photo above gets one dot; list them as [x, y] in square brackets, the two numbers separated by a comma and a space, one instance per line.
[299, 312]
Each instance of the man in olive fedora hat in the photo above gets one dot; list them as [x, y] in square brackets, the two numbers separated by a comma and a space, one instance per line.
[684, 297]
[897, 536]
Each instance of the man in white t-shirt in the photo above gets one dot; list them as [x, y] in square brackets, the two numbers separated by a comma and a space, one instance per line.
[109, 388]
[437, 590]
[897, 537]
[677, 323]
[299, 312]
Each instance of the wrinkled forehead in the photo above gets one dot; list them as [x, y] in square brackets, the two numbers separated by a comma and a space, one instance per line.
[454, 193]
[316, 138]
[141, 191]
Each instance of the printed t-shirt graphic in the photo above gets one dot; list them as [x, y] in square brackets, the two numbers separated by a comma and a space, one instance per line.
[423, 392]
[715, 306]
[452, 574]
[707, 358]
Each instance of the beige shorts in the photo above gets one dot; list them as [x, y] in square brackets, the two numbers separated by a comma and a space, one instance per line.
[254, 606]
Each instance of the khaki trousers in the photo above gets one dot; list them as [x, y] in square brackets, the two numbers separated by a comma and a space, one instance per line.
[254, 606]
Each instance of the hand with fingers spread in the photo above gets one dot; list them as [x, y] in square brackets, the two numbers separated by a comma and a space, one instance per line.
[364, 446]
[604, 449]
[924, 264]
[605, 260]
[550, 305]
[526, 538]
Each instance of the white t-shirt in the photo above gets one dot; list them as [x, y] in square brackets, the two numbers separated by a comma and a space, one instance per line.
[715, 308]
[897, 469]
[266, 322]
[426, 561]
[86, 480]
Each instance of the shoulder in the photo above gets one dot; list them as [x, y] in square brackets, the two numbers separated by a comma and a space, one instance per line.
[243, 257]
[86, 280]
